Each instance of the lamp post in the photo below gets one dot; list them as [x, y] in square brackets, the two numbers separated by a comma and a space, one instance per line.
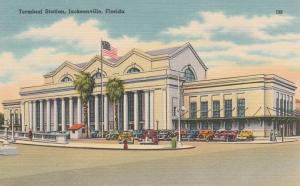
[179, 108]
[281, 127]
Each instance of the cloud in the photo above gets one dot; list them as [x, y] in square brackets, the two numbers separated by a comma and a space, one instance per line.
[213, 23]
[86, 36]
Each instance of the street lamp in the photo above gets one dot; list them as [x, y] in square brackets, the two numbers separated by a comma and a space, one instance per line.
[179, 108]
[281, 127]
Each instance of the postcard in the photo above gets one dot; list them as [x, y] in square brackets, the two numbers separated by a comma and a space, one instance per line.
[199, 92]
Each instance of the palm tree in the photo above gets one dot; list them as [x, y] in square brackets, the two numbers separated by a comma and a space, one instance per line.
[84, 84]
[115, 90]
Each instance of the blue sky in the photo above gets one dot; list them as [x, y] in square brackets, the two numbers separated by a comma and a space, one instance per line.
[238, 37]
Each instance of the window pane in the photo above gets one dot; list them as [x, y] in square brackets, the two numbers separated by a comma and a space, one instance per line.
[216, 109]
[204, 109]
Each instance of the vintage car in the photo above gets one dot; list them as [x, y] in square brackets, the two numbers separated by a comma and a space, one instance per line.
[112, 135]
[165, 135]
[246, 134]
[226, 135]
[137, 135]
[126, 135]
[191, 135]
[183, 132]
[206, 134]
[150, 136]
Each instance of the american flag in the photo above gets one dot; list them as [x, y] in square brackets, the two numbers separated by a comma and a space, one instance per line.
[108, 50]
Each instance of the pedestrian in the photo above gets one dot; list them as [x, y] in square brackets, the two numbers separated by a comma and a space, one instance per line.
[271, 135]
[275, 136]
[30, 134]
[125, 142]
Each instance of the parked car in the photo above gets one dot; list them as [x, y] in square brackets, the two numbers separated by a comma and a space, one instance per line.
[246, 134]
[112, 135]
[137, 135]
[191, 135]
[183, 132]
[226, 135]
[165, 134]
[206, 134]
[150, 136]
[126, 135]
[94, 134]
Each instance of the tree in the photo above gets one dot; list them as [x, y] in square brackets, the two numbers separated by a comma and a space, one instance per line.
[84, 84]
[115, 89]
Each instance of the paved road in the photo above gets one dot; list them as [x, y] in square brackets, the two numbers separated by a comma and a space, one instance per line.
[208, 164]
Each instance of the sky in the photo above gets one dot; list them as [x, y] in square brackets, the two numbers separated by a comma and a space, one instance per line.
[232, 37]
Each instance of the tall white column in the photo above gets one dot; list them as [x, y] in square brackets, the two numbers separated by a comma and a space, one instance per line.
[151, 109]
[125, 111]
[23, 116]
[55, 115]
[30, 114]
[79, 110]
[48, 116]
[63, 115]
[88, 115]
[41, 116]
[71, 120]
[146, 94]
[34, 116]
[105, 117]
[136, 108]
[96, 113]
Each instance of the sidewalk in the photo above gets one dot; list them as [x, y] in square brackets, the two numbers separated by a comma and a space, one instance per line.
[103, 146]
[263, 140]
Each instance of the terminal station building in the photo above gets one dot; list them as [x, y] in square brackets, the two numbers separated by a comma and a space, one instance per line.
[262, 102]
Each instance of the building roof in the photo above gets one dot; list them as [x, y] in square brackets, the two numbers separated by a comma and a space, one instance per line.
[81, 65]
[76, 127]
[164, 51]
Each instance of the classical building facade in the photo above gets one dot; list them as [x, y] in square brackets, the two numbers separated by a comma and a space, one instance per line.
[151, 96]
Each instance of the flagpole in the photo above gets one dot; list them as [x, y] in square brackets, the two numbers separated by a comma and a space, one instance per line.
[102, 106]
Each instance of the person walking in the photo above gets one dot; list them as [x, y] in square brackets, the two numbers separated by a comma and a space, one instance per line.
[125, 144]
[30, 134]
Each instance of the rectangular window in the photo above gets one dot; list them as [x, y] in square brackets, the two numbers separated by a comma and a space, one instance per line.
[204, 109]
[284, 107]
[288, 111]
[216, 109]
[37, 115]
[291, 105]
[130, 99]
[59, 113]
[228, 108]
[92, 109]
[67, 112]
[174, 111]
[204, 125]
[100, 108]
[193, 110]
[277, 106]
[241, 107]
[281, 107]
[140, 106]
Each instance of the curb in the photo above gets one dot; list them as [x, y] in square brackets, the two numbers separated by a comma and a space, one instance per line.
[278, 142]
[104, 148]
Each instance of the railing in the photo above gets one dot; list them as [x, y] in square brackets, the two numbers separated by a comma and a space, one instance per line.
[37, 137]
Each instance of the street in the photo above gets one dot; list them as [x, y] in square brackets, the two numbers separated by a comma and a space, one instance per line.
[207, 164]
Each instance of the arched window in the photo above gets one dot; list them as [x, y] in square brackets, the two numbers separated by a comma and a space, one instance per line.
[189, 75]
[97, 75]
[66, 79]
[133, 70]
